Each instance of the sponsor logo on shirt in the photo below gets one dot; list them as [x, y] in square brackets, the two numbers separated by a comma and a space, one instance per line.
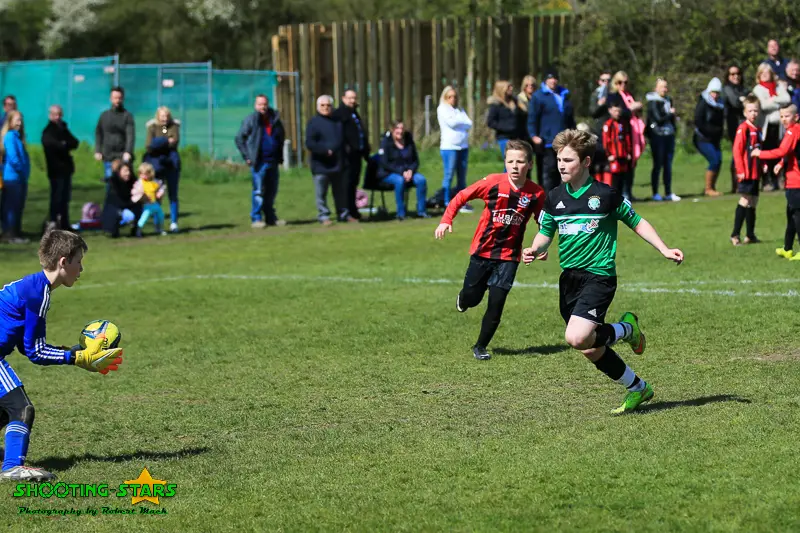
[566, 228]
[502, 195]
[507, 217]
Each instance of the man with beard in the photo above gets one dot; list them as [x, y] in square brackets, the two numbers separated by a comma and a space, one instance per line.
[356, 146]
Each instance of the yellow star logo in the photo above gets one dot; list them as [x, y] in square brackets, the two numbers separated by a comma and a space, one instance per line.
[143, 486]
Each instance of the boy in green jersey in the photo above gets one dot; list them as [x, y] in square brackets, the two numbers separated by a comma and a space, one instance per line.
[584, 213]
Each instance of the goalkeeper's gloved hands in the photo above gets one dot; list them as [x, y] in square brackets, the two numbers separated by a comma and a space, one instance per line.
[95, 359]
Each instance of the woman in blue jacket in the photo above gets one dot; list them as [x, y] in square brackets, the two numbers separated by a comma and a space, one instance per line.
[398, 166]
[16, 171]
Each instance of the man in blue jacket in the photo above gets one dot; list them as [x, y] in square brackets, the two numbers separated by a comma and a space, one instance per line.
[325, 141]
[549, 113]
[260, 141]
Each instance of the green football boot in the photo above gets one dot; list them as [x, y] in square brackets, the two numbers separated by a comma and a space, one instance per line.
[636, 340]
[634, 399]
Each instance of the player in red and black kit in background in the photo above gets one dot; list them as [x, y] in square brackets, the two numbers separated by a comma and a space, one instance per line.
[789, 151]
[746, 144]
[618, 145]
[511, 199]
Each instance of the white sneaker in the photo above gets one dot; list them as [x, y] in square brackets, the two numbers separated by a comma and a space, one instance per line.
[673, 198]
[466, 209]
[26, 473]
[173, 227]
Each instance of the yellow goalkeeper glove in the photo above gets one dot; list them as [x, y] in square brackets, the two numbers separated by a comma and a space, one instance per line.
[95, 359]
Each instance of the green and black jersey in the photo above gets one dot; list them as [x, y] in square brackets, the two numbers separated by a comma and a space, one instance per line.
[586, 223]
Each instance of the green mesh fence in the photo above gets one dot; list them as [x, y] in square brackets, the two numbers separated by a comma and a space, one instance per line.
[80, 86]
[210, 103]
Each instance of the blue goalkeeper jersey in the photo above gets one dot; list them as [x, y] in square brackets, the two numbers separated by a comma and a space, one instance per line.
[23, 314]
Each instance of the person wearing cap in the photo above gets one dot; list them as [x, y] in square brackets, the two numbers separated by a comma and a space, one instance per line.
[549, 113]
[709, 123]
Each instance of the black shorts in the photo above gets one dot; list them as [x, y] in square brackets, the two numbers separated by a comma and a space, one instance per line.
[483, 273]
[793, 199]
[751, 187]
[586, 295]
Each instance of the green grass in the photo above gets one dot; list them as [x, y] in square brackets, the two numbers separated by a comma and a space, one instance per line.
[282, 395]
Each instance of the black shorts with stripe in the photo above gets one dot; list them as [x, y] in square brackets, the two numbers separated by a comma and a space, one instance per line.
[749, 187]
[586, 295]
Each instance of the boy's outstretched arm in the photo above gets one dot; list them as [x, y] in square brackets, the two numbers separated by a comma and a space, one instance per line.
[479, 189]
[647, 232]
[538, 249]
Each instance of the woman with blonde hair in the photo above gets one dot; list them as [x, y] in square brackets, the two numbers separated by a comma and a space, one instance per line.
[454, 126]
[505, 116]
[163, 136]
[525, 95]
[620, 86]
[772, 93]
[16, 171]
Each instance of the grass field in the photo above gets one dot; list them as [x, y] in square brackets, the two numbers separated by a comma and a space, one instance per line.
[310, 379]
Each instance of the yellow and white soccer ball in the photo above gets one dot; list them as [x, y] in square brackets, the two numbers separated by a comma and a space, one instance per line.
[98, 327]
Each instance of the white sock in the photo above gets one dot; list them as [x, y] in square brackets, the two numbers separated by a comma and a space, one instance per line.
[622, 330]
[639, 387]
[627, 377]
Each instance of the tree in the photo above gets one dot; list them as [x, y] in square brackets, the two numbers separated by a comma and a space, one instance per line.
[68, 18]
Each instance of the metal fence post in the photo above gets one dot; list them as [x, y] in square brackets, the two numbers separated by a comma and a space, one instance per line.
[116, 70]
[210, 109]
[160, 83]
[69, 91]
[297, 104]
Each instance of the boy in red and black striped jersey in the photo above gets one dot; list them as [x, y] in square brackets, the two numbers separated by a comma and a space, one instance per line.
[618, 145]
[788, 151]
[511, 200]
[746, 144]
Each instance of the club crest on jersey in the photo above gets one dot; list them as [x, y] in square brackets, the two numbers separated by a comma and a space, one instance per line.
[507, 217]
[594, 203]
[524, 201]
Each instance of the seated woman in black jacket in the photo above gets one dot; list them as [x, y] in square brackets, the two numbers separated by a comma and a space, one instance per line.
[505, 116]
[118, 209]
[398, 166]
[709, 120]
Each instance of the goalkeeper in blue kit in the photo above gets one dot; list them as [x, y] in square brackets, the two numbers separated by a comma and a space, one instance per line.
[23, 313]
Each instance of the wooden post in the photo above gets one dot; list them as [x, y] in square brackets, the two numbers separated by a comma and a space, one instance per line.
[408, 111]
[386, 74]
[395, 86]
[419, 96]
[374, 84]
[360, 59]
[436, 66]
[337, 62]
[458, 50]
[491, 65]
[470, 92]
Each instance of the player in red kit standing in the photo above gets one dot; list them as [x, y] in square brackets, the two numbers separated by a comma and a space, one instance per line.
[618, 144]
[789, 151]
[746, 145]
[511, 199]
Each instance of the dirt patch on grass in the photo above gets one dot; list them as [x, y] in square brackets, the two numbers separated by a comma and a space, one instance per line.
[776, 357]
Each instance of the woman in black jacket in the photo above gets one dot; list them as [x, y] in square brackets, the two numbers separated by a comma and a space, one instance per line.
[661, 129]
[505, 116]
[118, 208]
[398, 164]
[733, 94]
[709, 123]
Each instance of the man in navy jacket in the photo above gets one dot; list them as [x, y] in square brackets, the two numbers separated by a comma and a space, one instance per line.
[549, 113]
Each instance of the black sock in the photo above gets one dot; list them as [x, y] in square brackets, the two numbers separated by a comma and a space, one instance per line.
[796, 218]
[491, 318]
[738, 220]
[790, 233]
[750, 221]
[608, 334]
[611, 364]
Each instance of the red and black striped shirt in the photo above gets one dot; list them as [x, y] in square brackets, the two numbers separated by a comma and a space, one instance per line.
[789, 151]
[508, 209]
[747, 138]
[618, 141]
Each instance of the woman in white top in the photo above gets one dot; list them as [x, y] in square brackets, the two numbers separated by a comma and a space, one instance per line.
[772, 93]
[454, 125]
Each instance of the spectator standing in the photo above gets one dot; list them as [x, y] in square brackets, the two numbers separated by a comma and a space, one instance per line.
[734, 94]
[260, 141]
[16, 172]
[661, 126]
[398, 165]
[505, 116]
[325, 141]
[774, 59]
[356, 146]
[549, 113]
[619, 86]
[58, 142]
[9, 104]
[793, 80]
[598, 109]
[524, 96]
[161, 142]
[454, 126]
[772, 93]
[709, 120]
[115, 133]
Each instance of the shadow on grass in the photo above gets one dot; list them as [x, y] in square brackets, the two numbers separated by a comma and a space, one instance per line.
[207, 227]
[547, 349]
[64, 463]
[696, 402]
